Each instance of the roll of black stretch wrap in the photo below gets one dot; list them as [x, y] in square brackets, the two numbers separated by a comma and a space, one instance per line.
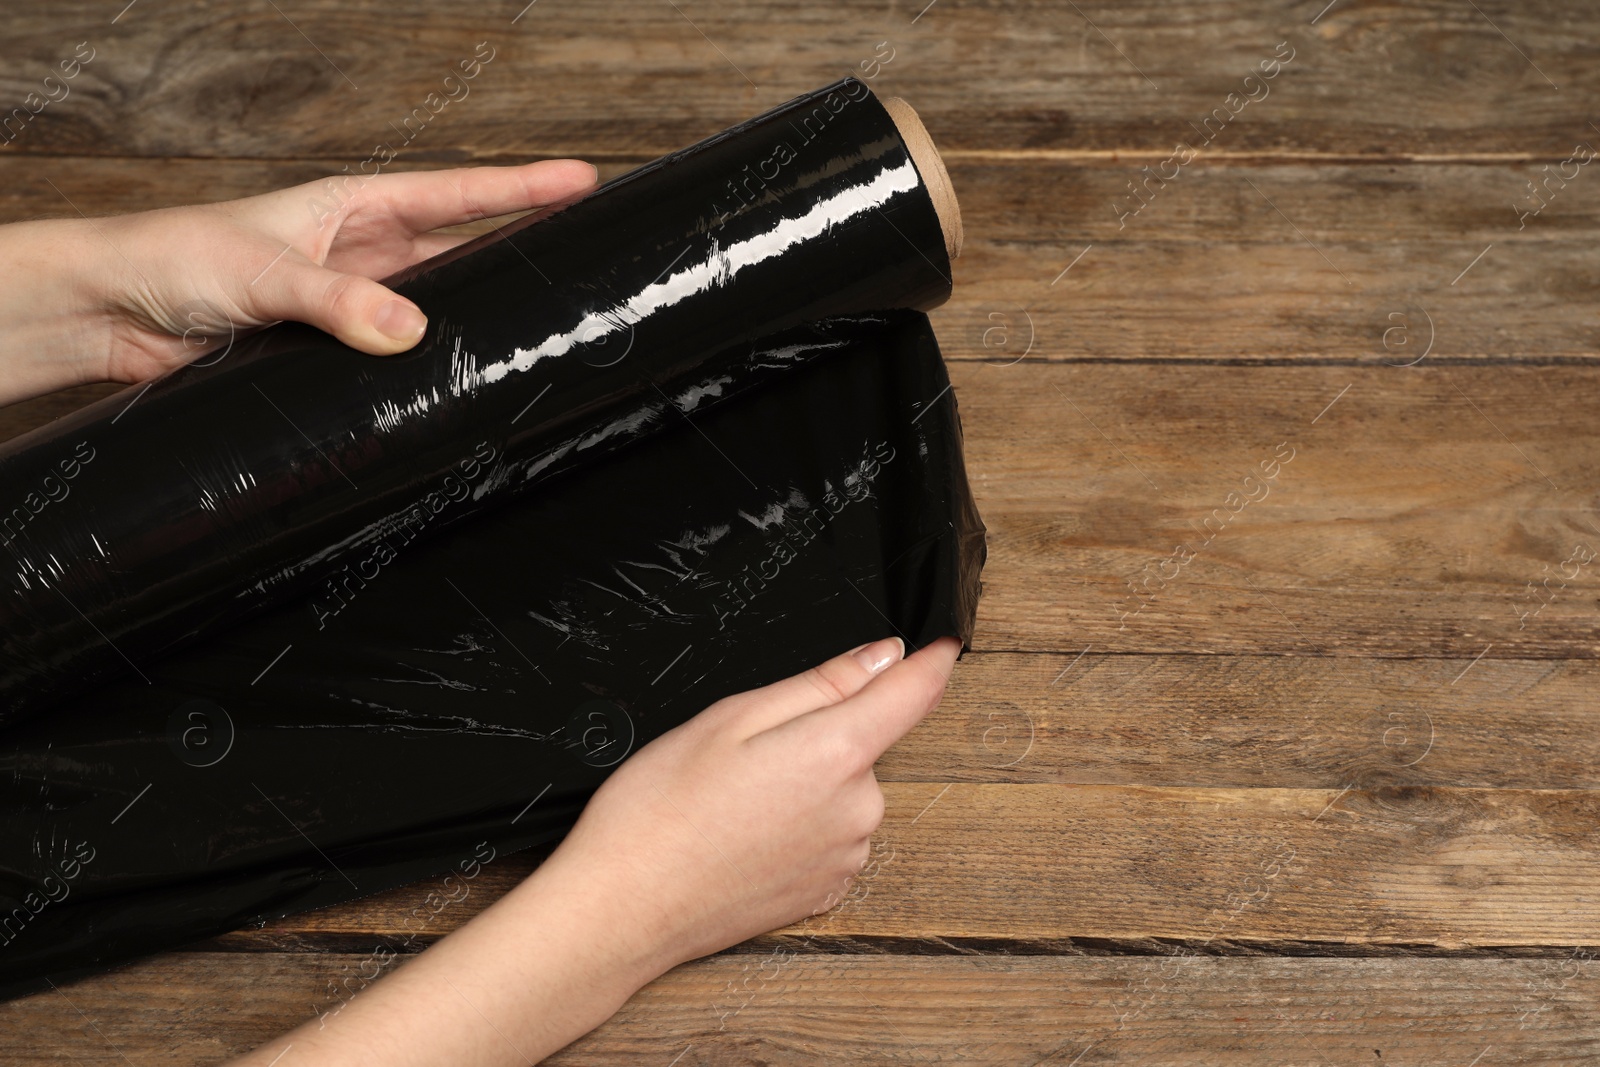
[296, 467]
[446, 667]
[464, 706]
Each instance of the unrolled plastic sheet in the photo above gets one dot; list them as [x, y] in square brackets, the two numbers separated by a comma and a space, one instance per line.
[308, 624]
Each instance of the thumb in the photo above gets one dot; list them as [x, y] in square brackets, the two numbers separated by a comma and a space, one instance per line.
[357, 310]
[888, 706]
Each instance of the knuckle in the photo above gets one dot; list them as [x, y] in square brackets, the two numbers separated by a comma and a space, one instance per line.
[719, 713]
[870, 810]
[824, 679]
[342, 297]
[862, 758]
[735, 715]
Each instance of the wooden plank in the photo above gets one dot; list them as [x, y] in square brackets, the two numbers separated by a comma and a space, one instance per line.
[1416, 507]
[1358, 267]
[635, 76]
[1422, 866]
[197, 1008]
[1258, 721]
[1382, 266]
[1052, 868]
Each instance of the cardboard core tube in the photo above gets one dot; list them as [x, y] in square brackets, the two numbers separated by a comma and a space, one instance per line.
[937, 179]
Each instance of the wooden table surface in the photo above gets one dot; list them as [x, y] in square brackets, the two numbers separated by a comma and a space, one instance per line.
[1299, 769]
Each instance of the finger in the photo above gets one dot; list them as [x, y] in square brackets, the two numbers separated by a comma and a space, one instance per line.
[828, 683]
[358, 311]
[428, 200]
[892, 703]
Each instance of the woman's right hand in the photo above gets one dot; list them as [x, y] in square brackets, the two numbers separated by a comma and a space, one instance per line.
[758, 811]
[753, 814]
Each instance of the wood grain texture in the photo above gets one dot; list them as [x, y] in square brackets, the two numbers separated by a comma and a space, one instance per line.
[185, 1009]
[1129, 510]
[1258, 722]
[637, 77]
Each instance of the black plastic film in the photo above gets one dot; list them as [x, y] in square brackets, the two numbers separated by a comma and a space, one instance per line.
[296, 467]
[467, 703]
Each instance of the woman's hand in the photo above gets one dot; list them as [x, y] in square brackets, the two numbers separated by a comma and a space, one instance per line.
[760, 810]
[129, 297]
[752, 815]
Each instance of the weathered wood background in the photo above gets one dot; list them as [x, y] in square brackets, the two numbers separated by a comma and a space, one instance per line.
[1329, 792]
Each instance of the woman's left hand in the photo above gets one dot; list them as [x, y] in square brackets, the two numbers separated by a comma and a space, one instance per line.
[129, 297]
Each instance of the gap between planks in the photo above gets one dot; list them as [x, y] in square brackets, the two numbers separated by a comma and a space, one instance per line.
[250, 941]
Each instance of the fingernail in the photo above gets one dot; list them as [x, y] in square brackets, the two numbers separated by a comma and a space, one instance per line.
[401, 320]
[878, 655]
[596, 170]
